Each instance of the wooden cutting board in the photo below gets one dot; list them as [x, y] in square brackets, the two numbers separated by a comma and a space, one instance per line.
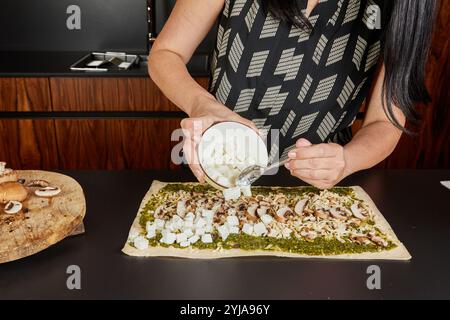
[44, 222]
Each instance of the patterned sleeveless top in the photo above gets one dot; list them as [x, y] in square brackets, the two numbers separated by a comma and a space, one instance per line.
[305, 84]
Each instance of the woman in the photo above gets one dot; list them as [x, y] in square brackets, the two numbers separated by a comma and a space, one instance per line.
[304, 68]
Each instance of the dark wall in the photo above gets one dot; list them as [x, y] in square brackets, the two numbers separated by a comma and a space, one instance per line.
[40, 25]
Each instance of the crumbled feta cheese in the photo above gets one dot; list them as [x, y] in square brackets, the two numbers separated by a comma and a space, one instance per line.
[169, 238]
[233, 220]
[151, 230]
[246, 191]
[232, 194]
[189, 217]
[140, 243]
[206, 238]
[233, 229]
[133, 234]
[209, 228]
[231, 212]
[207, 213]
[188, 224]
[200, 223]
[181, 237]
[200, 231]
[248, 229]
[266, 219]
[188, 232]
[185, 244]
[260, 229]
[159, 224]
[194, 239]
[181, 208]
[223, 232]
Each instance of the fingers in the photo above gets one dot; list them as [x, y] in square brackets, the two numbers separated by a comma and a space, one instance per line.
[323, 150]
[190, 153]
[315, 175]
[315, 164]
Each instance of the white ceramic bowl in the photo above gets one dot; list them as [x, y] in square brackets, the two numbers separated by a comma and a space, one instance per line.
[226, 149]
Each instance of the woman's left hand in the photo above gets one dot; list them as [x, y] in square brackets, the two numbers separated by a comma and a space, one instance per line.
[322, 165]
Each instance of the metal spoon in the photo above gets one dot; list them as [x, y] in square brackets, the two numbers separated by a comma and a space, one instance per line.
[249, 175]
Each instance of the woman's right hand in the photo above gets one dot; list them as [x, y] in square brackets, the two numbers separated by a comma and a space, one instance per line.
[207, 112]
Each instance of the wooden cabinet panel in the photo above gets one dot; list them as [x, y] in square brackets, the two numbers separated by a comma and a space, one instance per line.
[87, 144]
[25, 94]
[29, 144]
[110, 94]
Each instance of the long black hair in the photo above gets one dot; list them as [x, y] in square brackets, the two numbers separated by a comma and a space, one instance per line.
[406, 43]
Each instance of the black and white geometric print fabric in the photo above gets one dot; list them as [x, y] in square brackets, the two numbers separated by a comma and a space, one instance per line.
[304, 84]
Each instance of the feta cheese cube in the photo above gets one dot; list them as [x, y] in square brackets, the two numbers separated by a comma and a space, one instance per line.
[151, 230]
[209, 228]
[247, 229]
[194, 239]
[185, 244]
[188, 232]
[133, 234]
[169, 238]
[159, 224]
[140, 243]
[246, 191]
[200, 223]
[266, 219]
[233, 220]
[200, 231]
[188, 224]
[231, 212]
[189, 217]
[181, 237]
[181, 208]
[233, 229]
[260, 229]
[232, 194]
[207, 213]
[206, 238]
[223, 232]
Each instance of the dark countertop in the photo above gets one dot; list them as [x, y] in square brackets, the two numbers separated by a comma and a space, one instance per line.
[414, 203]
[57, 64]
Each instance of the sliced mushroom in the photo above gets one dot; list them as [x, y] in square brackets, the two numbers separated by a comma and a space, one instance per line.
[300, 206]
[378, 240]
[320, 214]
[13, 207]
[251, 212]
[357, 212]
[280, 214]
[309, 235]
[362, 240]
[262, 211]
[47, 192]
[38, 184]
[335, 213]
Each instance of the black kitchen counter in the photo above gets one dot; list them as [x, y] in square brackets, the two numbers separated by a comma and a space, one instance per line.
[414, 203]
[57, 64]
